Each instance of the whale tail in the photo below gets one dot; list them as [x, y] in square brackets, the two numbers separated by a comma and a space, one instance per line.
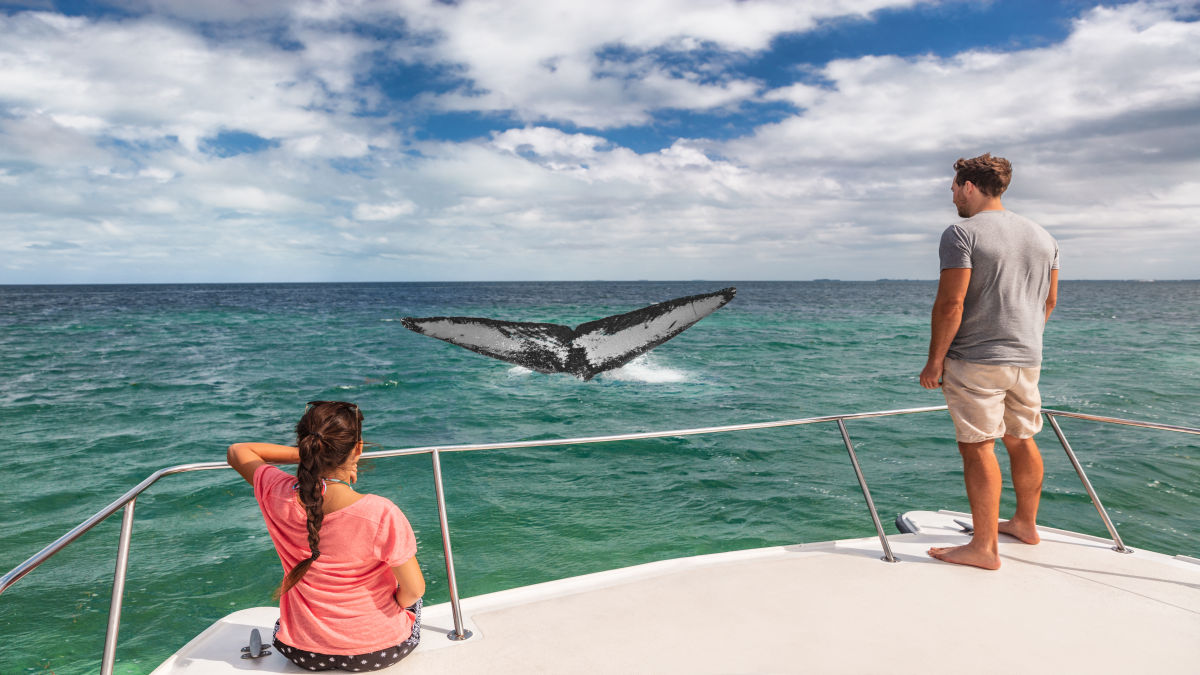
[585, 351]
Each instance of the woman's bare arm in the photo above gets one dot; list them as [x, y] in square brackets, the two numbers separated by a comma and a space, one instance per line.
[411, 582]
[247, 457]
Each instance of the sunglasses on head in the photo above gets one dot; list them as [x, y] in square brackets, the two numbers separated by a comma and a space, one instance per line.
[341, 404]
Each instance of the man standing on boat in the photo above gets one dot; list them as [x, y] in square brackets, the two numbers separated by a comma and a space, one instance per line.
[998, 285]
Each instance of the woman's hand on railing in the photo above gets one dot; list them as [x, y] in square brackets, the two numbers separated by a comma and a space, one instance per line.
[245, 458]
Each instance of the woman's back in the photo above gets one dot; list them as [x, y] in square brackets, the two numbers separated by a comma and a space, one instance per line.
[352, 587]
[344, 603]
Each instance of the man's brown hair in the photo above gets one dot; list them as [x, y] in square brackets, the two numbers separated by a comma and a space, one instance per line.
[990, 174]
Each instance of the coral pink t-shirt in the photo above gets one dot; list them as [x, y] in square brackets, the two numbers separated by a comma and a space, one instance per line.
[345, 603]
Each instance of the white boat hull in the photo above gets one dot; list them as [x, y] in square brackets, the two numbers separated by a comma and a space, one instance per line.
[1068, 605]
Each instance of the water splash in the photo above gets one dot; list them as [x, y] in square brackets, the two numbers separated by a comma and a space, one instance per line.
[645, 369]
[641, 369]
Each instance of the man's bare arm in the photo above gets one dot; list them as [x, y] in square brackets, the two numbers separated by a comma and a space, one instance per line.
[1052, 297]
[947, 317]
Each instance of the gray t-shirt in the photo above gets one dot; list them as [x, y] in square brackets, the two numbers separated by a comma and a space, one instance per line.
[1010, 258]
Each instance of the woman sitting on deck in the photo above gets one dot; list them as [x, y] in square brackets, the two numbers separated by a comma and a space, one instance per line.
[351, 598]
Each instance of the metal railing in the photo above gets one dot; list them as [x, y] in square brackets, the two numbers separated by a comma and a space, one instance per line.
[1118, 545]
[126, 501]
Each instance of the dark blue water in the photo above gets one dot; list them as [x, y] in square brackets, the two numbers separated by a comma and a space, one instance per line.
[100, 386]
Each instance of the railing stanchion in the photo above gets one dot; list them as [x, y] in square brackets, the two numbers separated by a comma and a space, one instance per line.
[459, 633]
[118, 591]
[1087, 485]
[862, 482]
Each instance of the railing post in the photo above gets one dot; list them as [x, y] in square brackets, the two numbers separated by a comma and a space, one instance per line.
[118, 591]
[459, 633]
[1087, 485]
[862, 482]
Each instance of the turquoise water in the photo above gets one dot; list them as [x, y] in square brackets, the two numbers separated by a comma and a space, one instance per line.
[100, 386]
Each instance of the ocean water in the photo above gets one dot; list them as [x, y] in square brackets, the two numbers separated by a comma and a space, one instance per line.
[100, 386]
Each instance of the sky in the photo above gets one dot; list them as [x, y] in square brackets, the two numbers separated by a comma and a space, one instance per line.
[175, 141]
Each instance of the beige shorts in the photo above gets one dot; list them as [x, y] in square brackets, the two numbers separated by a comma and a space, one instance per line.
[988, 401]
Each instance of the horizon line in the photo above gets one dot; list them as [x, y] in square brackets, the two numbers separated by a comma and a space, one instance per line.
[537, 281]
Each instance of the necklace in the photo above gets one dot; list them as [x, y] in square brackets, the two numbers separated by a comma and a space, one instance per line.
[324, 484]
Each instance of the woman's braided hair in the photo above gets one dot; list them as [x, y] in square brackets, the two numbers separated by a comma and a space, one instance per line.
[326, 437]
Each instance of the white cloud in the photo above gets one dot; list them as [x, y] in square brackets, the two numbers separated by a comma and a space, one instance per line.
[103, 147]
[544, 64]
[249, 198]
[1116, 62]
[389, 211]
[157, 206]
[145, 81]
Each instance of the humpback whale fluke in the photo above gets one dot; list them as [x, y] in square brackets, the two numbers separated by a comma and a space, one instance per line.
[591, 348]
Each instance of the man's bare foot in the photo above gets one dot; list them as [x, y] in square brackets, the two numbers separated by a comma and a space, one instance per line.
[966, 555]
[1024, 531]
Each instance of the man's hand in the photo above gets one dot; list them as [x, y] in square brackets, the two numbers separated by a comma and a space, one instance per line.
[931, 376]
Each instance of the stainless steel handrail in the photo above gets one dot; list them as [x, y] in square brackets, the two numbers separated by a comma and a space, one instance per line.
[648, 434]
[1118, 420]
[459, 633]
[79, 530]
[1118, 545]
[862, 483]
[127, 500]
[118, 592]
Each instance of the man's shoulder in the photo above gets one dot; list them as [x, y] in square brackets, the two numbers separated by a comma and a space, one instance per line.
[1001, 215]
[992, 215]
[981, 221]
[1019, 217]
[956, 230]
[1002, 218]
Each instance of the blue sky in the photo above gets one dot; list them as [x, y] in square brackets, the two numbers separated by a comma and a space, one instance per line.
[397, 140]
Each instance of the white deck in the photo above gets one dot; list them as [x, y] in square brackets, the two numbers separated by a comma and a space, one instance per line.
[1068, 605]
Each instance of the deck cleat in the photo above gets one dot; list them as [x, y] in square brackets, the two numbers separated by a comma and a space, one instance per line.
[256, 649]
